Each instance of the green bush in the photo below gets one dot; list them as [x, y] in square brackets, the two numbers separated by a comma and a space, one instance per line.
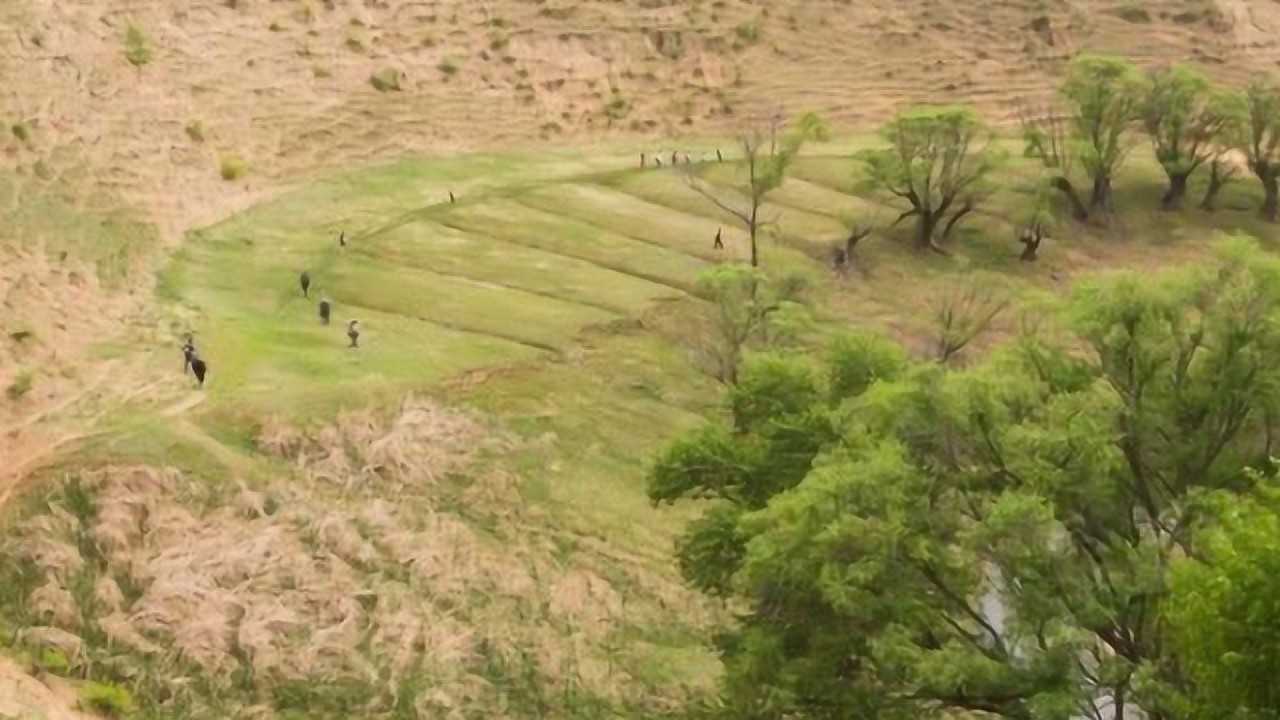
[386, 80]
[21, 386]
[748, 32]
[53, 661]
[110, 700]
[233, 167]
[448, 67]
[22, 131]
[195, 131]
[136, 47]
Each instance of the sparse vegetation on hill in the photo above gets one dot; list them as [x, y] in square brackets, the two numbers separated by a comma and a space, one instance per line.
[451, 520]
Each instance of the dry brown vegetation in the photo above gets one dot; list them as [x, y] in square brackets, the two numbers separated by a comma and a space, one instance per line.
[258, 590]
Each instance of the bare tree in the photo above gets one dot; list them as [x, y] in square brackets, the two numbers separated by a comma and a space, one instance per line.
[1222, 171]
[962, 315]
[1044, 130]
[768, 148]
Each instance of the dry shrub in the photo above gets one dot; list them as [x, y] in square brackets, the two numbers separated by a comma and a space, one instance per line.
[422, 444]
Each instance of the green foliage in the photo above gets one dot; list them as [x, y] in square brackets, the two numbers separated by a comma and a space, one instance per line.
[750, 308]
[930, 541]
[1185, 119]
[1259, 139]
[20, 386]
[449, 67]
[195, 131]
[53, 661]
[938, 161]
[1105, 94]
[137, 48]
[110, 700]
[386, 80]
[22, 132]
[748, 32]
[1223, 612]
[232, 167]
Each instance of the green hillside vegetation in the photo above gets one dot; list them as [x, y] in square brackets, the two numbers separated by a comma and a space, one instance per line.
[458, 518]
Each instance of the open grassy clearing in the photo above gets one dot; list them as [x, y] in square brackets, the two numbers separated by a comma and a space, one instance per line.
[555, 301]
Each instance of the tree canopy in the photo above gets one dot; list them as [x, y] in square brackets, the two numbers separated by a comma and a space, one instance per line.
[910, 540]
[1185, 119]
[938, 161]
[1105, 95]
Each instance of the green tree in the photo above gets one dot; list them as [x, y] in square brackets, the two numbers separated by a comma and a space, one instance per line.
[768, 149]
[1184, 117]
[1224, 616]
[1260, 142]
[1105, 96]
[923, 541]
[749, 307]
[939, 161]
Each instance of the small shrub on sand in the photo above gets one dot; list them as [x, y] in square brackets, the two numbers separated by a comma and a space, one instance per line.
[137, 49]
[386, 80]
[233, 167]
[748, 32]
[449, 67]
[195, 131]
[20, 387]
[22, 131]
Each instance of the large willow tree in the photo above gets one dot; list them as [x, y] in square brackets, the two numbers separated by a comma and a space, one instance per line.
[910, 541]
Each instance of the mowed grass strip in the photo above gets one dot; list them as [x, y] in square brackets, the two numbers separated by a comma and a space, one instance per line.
[519, 224]
[803, 228]
[639, 219]
[440, 249]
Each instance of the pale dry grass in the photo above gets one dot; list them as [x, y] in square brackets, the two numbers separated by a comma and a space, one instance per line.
[346, 572]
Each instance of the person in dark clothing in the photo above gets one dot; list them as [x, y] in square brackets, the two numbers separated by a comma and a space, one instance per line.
[199, 367]
[324, 311]
[188, 352]
[719, 157]
[353, 332]
[305, 280]
[451, 198]
[342, 238]
[642, 161]
[719, 245]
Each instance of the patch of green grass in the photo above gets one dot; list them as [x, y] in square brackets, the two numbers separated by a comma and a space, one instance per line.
[107, 699]
[137, 48]
[232, 167]
[111, 242]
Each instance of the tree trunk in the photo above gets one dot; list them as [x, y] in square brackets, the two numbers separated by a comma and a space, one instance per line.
[925, 228]
[1101, 197]
[1271, 205]
[751, 228]
[1209, 204]
[1078, 210]
[965, 210]
[1172, 199]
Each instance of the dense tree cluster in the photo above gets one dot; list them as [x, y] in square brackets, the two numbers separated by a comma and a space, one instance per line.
[1082, 525]
[938, 161]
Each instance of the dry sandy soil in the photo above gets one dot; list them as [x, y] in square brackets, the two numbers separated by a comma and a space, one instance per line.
[285, 86]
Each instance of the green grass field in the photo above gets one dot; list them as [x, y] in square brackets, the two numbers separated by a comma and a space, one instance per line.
[554, 299]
